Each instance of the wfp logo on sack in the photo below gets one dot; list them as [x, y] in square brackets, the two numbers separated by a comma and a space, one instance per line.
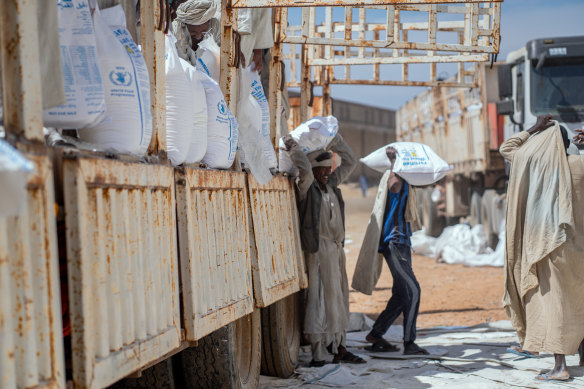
[222, 108]
[120, 78]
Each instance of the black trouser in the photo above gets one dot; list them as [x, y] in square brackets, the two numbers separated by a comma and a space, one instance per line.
[405, 294]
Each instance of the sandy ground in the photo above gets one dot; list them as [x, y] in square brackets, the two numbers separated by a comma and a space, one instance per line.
[451, 294]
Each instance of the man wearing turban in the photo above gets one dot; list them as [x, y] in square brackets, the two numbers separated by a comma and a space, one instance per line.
[322, 234]
[196, 19]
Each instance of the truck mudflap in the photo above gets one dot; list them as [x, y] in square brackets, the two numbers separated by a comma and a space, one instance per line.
[31, 345]
[278, 263]
[215, 247]
[122, 267]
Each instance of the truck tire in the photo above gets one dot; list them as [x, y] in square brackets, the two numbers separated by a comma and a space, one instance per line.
[229, 358]
[487, 216]
[281, 337]
[476, 202]
[433, 224]
[159, 376]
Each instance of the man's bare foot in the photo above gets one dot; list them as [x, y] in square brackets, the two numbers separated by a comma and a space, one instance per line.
[565, 376]
[560, 371]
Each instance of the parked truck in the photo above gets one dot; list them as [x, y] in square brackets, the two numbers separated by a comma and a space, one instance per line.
[159, 259]
[175, 276]
[467, 126]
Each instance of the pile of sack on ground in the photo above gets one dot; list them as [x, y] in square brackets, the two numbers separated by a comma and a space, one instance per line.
[107, 92]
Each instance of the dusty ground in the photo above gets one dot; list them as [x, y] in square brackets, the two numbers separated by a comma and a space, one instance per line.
[451, 294]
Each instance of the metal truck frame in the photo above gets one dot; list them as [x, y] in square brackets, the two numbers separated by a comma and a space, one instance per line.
[159, 259]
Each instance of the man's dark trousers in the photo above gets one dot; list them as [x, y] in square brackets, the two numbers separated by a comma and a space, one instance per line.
[405, 294]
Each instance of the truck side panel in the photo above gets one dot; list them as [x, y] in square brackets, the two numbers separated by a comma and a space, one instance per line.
[122, 264]
[31, 343]
[275, 265]
[215, 249]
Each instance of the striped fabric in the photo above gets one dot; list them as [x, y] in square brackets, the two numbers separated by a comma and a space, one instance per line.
[395, 228]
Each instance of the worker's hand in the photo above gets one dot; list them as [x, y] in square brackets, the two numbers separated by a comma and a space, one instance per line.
[579, 137]
[391, 155]
[289, 142]
[542, 122]
[258, 60]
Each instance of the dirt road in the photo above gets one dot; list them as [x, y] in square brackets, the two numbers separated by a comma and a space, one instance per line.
[451, 294]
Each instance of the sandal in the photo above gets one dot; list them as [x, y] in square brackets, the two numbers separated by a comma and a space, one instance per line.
[383, 346]
[414, 349]
[314, 363]
[546, 377]
[348, 357]
[522, 353]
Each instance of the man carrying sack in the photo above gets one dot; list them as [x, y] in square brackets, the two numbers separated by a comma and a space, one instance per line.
[322, 234]
[388, 233]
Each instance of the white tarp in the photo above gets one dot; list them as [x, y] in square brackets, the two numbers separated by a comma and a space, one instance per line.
[462, 357]
[461, 244]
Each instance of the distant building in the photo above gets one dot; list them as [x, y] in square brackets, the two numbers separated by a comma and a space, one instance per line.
[363, 127]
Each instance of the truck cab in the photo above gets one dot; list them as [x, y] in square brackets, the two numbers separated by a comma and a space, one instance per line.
[544, 77]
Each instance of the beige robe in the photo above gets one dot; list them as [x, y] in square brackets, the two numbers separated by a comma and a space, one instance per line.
[544, 265]
[370, 261]
[327, 306]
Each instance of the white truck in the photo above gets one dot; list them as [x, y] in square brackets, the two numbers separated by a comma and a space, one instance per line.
[467, 126]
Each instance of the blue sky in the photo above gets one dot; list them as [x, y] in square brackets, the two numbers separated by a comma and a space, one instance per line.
[521, 21]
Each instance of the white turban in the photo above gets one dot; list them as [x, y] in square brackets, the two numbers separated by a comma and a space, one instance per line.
[320, 158]
[196, 12]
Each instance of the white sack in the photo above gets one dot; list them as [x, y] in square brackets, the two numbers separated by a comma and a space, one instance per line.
[222, 128]
[14, 171]
[314, 134]
[257, 91]
[198, 146]
[126, 84]
[208, 58]
[179, 106]
[461, 244]
[416, 163]
[84, 92]
[251, 142]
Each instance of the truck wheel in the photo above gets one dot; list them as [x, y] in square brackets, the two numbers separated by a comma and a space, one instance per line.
[159, 376]
[487, 209]
[281, 337]
[475, 209]
[433, 224]
[228, 358]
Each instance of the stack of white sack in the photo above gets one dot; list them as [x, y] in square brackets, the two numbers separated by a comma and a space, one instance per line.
[198, 146]
[257, 92]
[179, 108]
[253, 146]
[314, 134]
[85, 104]
[14, 172]
[416, 163]
[128, 126]
[208, 58]
[222, 127]
[461, 244]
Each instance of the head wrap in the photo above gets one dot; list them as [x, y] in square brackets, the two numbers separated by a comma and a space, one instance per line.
[196, 12]
[320, 158]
